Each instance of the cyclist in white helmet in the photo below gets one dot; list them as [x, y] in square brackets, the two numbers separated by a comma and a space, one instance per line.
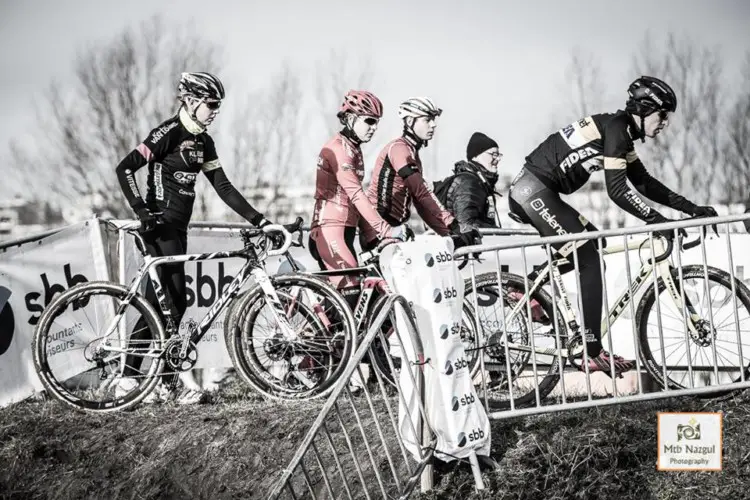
[397, 179]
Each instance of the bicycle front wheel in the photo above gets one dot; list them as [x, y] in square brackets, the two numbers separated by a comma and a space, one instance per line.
[717, 352]
[98, 349]
[305, 366]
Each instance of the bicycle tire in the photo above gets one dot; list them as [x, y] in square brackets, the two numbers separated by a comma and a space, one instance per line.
[652, 362]
[379, 355]
[57, 307]
[514, 283]
[246, 312]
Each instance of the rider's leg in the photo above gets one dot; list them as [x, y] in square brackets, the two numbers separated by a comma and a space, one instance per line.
[334, 249]
[551, 216]
[163, 241]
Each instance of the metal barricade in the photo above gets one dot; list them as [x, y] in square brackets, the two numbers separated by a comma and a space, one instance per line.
[356, 448]
[689, 337]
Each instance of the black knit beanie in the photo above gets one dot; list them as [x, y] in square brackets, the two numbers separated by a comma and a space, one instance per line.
[478, 144]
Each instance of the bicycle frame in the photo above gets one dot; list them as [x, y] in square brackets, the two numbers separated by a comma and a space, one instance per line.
[251, 268]
[372, 281]
[550, 272]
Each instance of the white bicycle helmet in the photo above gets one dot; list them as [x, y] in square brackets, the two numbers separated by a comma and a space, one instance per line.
[415, 107]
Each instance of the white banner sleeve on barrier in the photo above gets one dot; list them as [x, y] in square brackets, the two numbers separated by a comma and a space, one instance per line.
[425, 274]
[31, 274]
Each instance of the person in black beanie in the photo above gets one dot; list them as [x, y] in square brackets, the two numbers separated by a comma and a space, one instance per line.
[469, 194]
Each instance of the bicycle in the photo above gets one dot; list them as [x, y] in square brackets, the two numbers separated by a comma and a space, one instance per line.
[94, 365]
[522, 340]
[373, 295]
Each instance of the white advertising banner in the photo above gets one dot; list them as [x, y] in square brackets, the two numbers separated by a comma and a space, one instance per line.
[426, 275]
[31, 274]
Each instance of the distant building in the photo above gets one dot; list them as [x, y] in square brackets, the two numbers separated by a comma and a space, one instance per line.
[20, 218]
[10, 216]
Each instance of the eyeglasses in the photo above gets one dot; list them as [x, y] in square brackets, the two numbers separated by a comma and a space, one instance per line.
[371, 121]
[495, 155]
[212, 105]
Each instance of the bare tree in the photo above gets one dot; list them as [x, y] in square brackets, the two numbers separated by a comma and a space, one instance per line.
[583, 79]
[266, 130]
[688, 156]
[335, 75]
[122, 89]
[585, 93]
[736, 169]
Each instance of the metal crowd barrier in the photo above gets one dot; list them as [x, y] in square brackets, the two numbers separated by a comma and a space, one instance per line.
[703, 351]
[355, 448]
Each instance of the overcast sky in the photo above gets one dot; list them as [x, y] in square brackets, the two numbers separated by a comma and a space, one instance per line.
[492, 65]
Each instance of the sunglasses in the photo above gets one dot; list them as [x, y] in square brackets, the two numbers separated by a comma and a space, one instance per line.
[663, 115]
[212, 105]
[371, 121]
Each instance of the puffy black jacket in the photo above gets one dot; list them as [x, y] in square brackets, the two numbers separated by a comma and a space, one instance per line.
[471, 197]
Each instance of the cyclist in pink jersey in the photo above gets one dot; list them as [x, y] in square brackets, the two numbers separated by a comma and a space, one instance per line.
[340, 201]
[397, 180]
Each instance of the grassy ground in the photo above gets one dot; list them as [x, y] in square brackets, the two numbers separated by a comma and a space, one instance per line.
[237, 446]
[605, 453]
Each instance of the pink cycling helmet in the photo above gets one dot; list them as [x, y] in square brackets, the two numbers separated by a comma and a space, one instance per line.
[361, 103]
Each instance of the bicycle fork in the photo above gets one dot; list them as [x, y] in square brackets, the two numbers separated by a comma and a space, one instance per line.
[273, 298]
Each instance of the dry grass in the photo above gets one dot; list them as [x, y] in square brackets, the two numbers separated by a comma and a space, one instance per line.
[603, 453]
[237, 446]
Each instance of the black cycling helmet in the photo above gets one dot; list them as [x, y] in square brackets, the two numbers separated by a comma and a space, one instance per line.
[200, 85]
[648, 95]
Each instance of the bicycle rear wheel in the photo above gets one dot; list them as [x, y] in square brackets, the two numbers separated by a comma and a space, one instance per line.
[494, 335]
[385, 356]
[688, 358]
[306, 366]
[83, 366]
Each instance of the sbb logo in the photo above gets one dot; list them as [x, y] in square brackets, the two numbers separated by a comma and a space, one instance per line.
[448, 293]
[7, 320]
[443, 257]
[459, 364]
[439, 258]
[446, 330]
[465, 400]
[472, 436]
[207, 288]
[50, 290]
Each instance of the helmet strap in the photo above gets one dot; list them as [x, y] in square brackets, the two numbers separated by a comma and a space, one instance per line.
[191, 112]
[348, 130]
[410, 135]
[643, 129]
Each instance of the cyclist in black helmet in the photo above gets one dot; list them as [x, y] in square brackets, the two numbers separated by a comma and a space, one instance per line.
[176, 151]
[564, 162]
